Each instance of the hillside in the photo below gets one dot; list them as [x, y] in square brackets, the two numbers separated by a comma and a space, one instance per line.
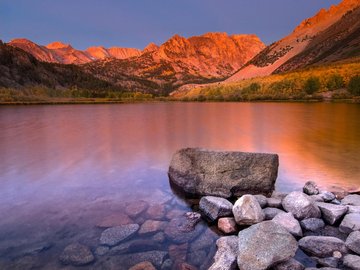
[329, 36]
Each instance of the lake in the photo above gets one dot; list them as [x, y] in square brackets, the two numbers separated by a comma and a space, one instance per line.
[69, 171]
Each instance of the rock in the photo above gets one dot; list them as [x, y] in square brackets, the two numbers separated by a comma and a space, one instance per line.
[328, 230]
[353, 242]
[337, 254]
[353, 209]
[215, 207]
[317, 198]
[143, 266]
[184, 229]
[352, 261]
[125, 261]
[301, 206]
[323, 268]
[159, 237]
[178, 253]
[310, 188]
[167, 265]
[288, 221]
[247, 211]
[136, 208]
[351, 199]
[279, 195]
[174, 213]
[227, 250]
[102, 250]
[152, 226]
[76, 254]
[339, 192]
[335, 201]
[274, 202]
[114, 220]
[115, 235]
[200, 172]
[351, 222]
[312, 224]
[264, 245]
[262, 200]
[227, 225]
[322, 246]
[327, 262]
[327, 196]
[270, 212]
[156, 212]
[290, 264]
[184, 266]
[197, 257]
[331, 213]
[205, 241]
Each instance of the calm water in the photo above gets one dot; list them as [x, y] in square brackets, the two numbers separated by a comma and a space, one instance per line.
[65, 169]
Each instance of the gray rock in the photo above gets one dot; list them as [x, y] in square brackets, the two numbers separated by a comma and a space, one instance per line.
[247, 211]
[76, 254]
[215, 207]
[205, 241]
[335, 201]
[197, 257]
[279, 195]
[328, 261]
[322, 246]
[353, 209]
[331, 213]
[327, 196]
[290, 264]
[115, 235]
[225, 257]
[184, 228]
[352, 261]
[227, 225]
[262, 200]
[152, 226]
[323, 268]
[271, 212]
[202, 172]
[310, 188]
[102, 250]
[158, 237]
[300, 205]
[353, 242]
[317, 198]
[288, 221]
[352, 199]
[167, 264]
[312, 224]
[264, 245]
[274, 202]
[351, 222]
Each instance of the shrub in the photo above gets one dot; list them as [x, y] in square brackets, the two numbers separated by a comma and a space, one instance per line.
[312, 85]
[336, 81]
[354, 85]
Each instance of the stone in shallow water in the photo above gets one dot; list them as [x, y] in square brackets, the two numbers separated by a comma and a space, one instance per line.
[200, 172]
[312, 224]
[227, 250]
[310, 188]
[115, 235]
[331, 213]
[215, 207]
[271, 212]
[351, 222]
[143, 266]
[76, 254]
[102, 250]
[352, 199]
[177, 253]
[264, 245]
[288, 221]
[322, 246]
[156, 211]
[114, 220]
[134, 209]
[353, 242]
[262, 200]
[197, 257]
[247, 211]
[290, 264]
[301, 206]
[352, 261]
[152, 226]
[227, 225]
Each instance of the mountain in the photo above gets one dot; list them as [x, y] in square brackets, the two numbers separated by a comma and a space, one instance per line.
[19, 69]
[329, 36]
[58, 52]
[199, 59]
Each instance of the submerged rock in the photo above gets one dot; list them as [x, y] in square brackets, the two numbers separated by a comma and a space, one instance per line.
[200, 172]
[152, 226]
[76, 254]
[247, 211]
[143, 266]
[134, 209]
[114, 220]
[301, 206]
[264, 245]
[115, 235]
[227, 250]
[322, 246]
[215, 207]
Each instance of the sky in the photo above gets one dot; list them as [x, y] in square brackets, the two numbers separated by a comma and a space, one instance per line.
[135, 23]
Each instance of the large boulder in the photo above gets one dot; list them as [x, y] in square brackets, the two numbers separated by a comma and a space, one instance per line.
[215, 207]
[247, 211]
[322, 246]
[225, 257]
[264, 245]
[199, 172]
[301, 206]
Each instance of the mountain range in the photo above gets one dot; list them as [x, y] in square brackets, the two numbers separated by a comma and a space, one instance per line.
[181, 63]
